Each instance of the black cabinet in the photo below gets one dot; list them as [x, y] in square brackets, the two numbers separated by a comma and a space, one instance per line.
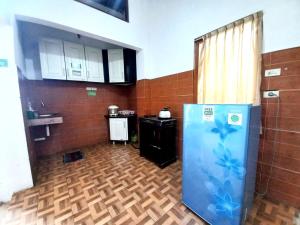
[129, 65]
[158, 140]
[126, 58]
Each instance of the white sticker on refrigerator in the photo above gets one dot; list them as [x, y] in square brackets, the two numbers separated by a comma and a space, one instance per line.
[235, 119]
[208, 113]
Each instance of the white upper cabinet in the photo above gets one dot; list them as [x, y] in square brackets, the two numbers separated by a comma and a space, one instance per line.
[65, 60]
[94, 64]
[116, 65]
[75, 61]
[52, 59]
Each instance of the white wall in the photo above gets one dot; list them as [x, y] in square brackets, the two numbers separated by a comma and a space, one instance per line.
[71, 16]
[165, 30]
[176, 23]
[15, 172]
[75, 17]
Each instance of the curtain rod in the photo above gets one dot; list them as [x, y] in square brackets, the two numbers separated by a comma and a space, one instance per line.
[259, 13]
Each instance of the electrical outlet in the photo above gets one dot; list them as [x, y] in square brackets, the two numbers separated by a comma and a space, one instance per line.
[271, 94]
[273, 72]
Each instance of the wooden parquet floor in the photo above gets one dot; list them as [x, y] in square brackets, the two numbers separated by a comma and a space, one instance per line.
[114, 185]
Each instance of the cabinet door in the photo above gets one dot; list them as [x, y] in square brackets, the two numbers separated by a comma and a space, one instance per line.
[94, 64]
[52, 59]
[130, 65]
[118, 128]
[115, 65]
[75, 61]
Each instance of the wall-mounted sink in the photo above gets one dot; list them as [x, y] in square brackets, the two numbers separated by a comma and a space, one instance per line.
[45, 115]
[46, 119]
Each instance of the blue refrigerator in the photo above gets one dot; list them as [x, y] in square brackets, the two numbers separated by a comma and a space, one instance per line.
[220, 147]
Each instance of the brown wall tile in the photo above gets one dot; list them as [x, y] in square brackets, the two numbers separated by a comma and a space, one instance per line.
[30, 143]
[285, 82]
[288, 55]
[291, 68]
[280, 146]
[172, 91]
[84, 123]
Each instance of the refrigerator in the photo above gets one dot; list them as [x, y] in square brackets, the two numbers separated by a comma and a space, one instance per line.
[220, 148]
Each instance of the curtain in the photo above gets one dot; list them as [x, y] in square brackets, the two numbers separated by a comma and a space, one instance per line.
[229, 63]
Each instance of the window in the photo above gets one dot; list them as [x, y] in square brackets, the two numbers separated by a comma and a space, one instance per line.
[227, 68]
[116, 8]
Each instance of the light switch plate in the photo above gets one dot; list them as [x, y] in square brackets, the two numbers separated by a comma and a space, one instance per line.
[3, 62]
[271, 94]
[273, 72]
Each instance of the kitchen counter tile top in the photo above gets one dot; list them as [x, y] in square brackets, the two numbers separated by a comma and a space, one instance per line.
[54, 119]
[120, 116]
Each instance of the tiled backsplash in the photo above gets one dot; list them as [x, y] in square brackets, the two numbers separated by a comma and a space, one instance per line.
[285, 180]
[84, 123]
[150, 96]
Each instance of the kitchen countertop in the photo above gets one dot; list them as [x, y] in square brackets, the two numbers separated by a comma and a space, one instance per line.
[158, 121]
[155, 118]
[120, 116]
[54, 119]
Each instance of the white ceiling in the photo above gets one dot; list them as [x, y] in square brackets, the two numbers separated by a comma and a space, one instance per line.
[32, 32]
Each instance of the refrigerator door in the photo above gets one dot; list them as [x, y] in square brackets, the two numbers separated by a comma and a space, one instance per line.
[214, 160]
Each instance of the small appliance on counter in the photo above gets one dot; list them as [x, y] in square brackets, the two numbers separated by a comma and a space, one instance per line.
[113, 110]
[164, 113]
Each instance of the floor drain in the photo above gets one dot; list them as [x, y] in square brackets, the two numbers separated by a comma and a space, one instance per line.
[73, 156]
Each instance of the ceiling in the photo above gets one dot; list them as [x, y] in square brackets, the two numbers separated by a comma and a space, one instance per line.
[32, 32]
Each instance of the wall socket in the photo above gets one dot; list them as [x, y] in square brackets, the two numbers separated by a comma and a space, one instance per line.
[273, 72]
[271, 94]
